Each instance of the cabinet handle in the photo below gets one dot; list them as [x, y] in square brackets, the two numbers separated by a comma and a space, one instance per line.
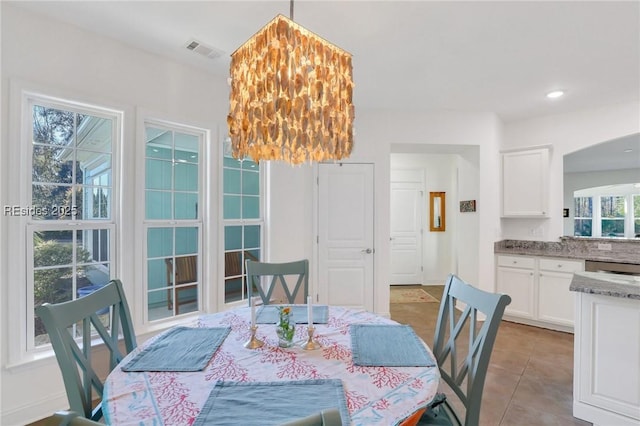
[515, 262]
[559, 266]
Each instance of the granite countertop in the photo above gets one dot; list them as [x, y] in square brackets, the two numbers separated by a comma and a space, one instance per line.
[599, 249]
[606, 284]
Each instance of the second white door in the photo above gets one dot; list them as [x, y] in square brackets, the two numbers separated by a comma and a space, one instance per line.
[406, 232]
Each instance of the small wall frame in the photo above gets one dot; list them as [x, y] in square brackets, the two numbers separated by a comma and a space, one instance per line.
[437, 216]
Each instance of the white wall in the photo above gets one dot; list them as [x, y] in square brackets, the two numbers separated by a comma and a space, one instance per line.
[68, 62]
[439, 175]
[566, 133]
[412, 132]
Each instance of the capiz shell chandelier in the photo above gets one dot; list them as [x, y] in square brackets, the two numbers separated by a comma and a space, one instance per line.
[291, 96]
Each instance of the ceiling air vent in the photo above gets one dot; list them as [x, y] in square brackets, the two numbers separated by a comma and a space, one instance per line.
[203, 49]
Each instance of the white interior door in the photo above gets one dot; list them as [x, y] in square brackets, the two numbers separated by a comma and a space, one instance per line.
[345, 235]
[406, 232]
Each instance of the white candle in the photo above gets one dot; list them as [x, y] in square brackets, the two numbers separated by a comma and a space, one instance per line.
[309, 311]
[253, 312]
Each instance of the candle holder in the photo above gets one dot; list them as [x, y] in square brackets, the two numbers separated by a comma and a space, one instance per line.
[311, 344]
[253, 342]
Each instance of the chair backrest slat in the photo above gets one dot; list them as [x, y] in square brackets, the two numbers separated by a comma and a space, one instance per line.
[278, 272]
[448, 340]
[78, 374]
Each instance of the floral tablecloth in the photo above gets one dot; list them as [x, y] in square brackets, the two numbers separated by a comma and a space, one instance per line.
[375, 395]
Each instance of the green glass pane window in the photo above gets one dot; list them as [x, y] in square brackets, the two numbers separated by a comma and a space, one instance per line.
[156, 274]
[159, 174]
[159, 143]
[186, 240]
[231, 207]
[232, 238]
[231, 181]
[250, 183]
[159, 242]
[252, 236]
[250, 207]
[186, 205]
[231, 163]
[158, 205]
[186, 177]
[187, 148]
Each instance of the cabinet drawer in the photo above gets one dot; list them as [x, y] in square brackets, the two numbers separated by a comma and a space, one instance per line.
[558, 265]
[516, 261]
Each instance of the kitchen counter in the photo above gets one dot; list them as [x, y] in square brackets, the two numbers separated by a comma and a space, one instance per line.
[606, 351]
[599, 249]
[615, 285]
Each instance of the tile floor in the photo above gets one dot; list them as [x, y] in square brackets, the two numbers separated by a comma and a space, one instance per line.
[530, 377]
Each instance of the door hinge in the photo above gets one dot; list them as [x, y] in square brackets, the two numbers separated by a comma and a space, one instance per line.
[421, 269]
[318, 180]
[317, 239]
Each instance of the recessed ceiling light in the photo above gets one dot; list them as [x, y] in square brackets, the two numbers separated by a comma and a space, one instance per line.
[555, 94]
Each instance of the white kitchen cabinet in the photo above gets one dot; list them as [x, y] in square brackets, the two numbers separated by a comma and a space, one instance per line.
[555, 301]
[607, 360]
[539, 290]
[515, 276]
[525, 183]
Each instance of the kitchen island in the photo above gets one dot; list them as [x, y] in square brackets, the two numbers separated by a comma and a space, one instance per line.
[606, 381]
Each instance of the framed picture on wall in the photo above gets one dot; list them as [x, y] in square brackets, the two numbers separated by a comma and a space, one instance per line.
[467, 206]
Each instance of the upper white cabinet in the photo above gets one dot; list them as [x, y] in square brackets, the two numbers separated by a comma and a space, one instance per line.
[525, 183]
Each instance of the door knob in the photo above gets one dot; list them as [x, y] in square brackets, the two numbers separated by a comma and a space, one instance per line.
[368, 251]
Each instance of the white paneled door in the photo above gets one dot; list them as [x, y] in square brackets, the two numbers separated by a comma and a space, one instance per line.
[345, 234]
[406, 232]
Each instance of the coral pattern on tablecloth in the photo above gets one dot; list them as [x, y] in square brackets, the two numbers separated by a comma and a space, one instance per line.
[374, 395]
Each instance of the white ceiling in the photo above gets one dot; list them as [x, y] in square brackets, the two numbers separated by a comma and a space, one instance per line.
[463, 56]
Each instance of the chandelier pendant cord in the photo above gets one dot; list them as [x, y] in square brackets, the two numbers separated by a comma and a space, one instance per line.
[291, 9]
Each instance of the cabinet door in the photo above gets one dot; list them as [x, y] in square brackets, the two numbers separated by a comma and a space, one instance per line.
[517, 283]
[525, 177]
[555, 301]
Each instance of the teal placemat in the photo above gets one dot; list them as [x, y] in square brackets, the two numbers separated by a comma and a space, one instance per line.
[179, 349]
[271, 403]
[388, 345]
[269, 314]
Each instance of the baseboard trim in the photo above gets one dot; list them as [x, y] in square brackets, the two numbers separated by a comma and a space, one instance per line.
[35, 410]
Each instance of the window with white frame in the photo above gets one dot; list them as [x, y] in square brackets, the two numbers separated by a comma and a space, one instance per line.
[583, 214]
[243, 223]
[610, 211]
[173, 219]
[70, 223]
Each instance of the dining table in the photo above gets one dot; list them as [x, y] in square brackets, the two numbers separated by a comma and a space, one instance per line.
[372, 394]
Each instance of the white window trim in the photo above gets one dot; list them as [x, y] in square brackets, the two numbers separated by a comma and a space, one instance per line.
[22, 96]
[206, 221]
[262, 221]
[596, 219]
[177, 223]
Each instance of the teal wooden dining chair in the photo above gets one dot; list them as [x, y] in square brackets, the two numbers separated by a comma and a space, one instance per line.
[70, 418]
[78, 373]
[298, 270]
[462, 348]
[330, 417]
